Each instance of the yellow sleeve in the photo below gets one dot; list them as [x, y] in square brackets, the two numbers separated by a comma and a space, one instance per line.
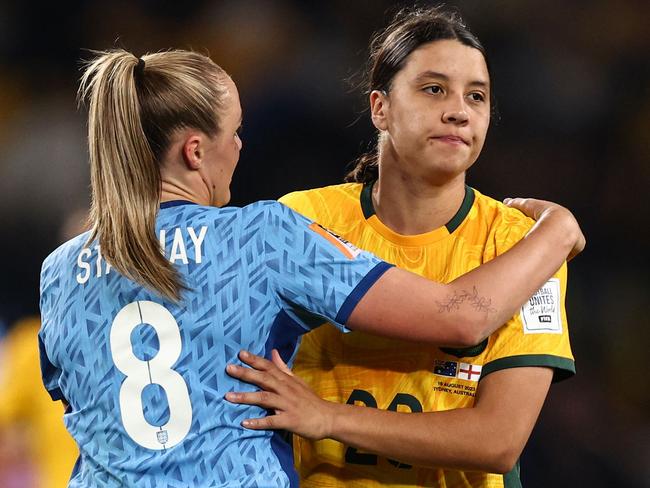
[301, 203]
[538, 335]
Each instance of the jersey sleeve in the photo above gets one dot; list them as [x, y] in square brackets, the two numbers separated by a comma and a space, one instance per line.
[301, 202]
[538, 335]
[316, 275]
[49, 372]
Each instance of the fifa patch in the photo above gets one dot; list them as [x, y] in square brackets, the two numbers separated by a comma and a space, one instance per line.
[349, 250]
[541, 314]
[453, 369]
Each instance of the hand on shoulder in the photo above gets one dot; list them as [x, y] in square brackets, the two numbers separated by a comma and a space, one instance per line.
[552, 214]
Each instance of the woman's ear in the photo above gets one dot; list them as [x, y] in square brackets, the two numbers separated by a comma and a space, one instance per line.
[378, 109]
[193, 151]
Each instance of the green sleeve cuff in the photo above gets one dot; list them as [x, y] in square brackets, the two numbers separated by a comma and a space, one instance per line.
[563, 368]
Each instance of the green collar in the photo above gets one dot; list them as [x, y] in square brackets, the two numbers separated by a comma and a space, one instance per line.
[369, 210]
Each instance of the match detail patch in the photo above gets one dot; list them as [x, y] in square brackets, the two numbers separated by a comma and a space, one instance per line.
[454, 369]
[541, 313]
[348, 250]
[467, 371]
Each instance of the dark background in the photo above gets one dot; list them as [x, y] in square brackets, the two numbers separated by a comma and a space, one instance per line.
[572, 81]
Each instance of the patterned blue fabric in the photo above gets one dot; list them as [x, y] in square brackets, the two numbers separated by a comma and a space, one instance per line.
[258, 276]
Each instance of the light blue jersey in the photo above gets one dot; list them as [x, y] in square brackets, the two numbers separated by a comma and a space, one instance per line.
[145, 378]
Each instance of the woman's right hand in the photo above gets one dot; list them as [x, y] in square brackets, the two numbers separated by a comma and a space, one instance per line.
[545, 211]
[294, 405]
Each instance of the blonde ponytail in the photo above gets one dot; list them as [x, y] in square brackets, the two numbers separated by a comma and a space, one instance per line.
[134, 107]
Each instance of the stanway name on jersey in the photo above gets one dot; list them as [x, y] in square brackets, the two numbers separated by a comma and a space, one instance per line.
[90, 265]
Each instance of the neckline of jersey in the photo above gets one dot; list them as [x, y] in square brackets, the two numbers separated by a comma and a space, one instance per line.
[175, 203]
[434, 235]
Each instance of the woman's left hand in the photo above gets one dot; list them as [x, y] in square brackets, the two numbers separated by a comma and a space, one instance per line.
[296, 406]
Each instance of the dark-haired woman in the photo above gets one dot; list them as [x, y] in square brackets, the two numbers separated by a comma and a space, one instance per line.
[472, 409]
[141, 315]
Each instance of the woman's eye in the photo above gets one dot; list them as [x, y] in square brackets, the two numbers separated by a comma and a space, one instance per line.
[433, 89]
[477, 97]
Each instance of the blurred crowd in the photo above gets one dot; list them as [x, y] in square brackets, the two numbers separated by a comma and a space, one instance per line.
[572, 82]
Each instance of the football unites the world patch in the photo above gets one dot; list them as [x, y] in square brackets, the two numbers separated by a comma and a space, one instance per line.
[541, 313]
[347, 249]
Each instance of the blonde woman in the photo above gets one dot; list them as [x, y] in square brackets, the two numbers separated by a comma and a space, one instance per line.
[141, 315]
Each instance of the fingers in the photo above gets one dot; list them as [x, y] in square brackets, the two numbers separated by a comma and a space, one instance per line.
[520, 204]
[525, 205]
[514, 202]
[262, 372]
[264, 399]
[530, 206]
[263, 379]
[279, 362]
[294, 405]
[579, 247]
[277, 368]
[272, 422]
[536, 209]
[255, 361]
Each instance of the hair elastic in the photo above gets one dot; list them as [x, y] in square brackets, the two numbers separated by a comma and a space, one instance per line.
[139, 68]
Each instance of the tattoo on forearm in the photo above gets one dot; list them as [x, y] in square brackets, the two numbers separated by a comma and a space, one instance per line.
[481, 304]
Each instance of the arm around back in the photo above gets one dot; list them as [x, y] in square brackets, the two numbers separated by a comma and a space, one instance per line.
[462, 313]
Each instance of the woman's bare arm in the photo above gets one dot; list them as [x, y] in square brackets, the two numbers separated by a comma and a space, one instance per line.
[462, 313]
[487, 437]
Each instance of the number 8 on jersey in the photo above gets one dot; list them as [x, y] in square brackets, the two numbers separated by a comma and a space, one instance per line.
[158, 370]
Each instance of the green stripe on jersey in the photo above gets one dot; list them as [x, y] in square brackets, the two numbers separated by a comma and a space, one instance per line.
[563, 367]
[464, 209]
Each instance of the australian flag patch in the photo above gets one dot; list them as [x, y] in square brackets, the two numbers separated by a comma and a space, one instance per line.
[445, 368]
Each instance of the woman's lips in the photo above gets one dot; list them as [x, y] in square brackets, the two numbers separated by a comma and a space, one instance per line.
[451, 140]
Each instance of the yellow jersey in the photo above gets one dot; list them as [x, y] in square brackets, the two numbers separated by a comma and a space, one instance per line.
[26, 404]
[358, 368]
